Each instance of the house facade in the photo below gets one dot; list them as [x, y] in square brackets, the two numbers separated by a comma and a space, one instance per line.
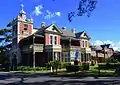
[35, 47]
[101, 52]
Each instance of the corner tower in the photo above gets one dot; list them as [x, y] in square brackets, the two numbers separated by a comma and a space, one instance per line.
[25, 25]
[21, 27]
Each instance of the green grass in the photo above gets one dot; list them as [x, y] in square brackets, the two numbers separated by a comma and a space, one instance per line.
[88, 73]
[94, 72]
[41, 71]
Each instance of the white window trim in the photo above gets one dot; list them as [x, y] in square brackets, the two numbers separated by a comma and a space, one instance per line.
[53, 39]
[84, 42]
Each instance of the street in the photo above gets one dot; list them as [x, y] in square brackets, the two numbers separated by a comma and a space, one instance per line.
[7, 78]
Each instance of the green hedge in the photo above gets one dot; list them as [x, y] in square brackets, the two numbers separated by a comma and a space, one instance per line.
[28, 68]
[106, 66]
[85, 66]
[72, 68]
[65, 64]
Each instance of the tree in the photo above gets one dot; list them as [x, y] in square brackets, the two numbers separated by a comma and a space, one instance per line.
[84, 7]
[5, 39]
[55, 65]
[6, 36]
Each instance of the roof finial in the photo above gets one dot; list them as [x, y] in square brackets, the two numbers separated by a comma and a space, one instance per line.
[22, 6]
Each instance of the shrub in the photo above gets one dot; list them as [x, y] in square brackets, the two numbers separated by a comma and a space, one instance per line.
[109, 66]
[76, 62]
[28, 68]
[85, 66]
[117, 70]
[63, 65]
[72, 68]
[92, 63]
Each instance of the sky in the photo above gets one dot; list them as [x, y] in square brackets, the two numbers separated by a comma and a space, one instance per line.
[103, 26]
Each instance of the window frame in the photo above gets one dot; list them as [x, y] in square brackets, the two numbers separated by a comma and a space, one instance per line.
[86, 45]
[55, 40]
[83, 44]
[25, 27]
[51, 39]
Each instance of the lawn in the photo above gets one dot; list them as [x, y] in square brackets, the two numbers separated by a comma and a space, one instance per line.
[94, 72]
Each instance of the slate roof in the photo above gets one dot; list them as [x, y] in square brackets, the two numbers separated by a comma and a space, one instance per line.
[78, 34]
[94, 48]
[67, 33]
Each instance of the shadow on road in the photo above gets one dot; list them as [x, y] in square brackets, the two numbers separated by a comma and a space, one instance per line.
[54, 82]
[61, 81]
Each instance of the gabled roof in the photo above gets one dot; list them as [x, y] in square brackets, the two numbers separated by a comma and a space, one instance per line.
[79, 34]
[94, 48]
[54, 25]
[67, 33]
[68, 38]
[44, 29]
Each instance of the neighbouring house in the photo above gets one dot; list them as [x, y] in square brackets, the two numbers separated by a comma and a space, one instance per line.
[116, 56]
[37, 46]
[101, 52]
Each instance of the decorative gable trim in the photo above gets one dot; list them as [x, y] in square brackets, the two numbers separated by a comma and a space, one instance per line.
[54, 28]
[84, 34]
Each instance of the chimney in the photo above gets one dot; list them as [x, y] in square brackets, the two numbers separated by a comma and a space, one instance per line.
[73, 30]
[42, 24]
[64, 28]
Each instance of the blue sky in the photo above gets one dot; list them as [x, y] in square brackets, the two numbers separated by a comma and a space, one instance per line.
[103, 26]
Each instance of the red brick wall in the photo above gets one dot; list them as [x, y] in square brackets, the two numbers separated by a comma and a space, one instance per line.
[21, 28]
[30, 28]
[59, 37]
[81, 44]
[46, 38]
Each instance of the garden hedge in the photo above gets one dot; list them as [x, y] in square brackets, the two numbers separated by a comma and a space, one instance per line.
[72, 68]
[106, 66]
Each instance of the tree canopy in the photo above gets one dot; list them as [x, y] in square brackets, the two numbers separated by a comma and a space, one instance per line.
[84, 7]
[6, 36]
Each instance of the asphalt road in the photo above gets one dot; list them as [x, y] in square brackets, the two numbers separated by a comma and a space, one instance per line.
[48, 79]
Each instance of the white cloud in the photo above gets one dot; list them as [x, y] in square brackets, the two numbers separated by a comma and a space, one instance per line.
[98, 42]
[51, 15]
[37, 10]
[115, 46]
[58, 13]
[109, 42]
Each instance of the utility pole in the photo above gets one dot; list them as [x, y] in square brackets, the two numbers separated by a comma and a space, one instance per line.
[33, 52]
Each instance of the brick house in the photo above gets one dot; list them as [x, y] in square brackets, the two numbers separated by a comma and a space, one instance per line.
[99, 53]
[35, 47]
